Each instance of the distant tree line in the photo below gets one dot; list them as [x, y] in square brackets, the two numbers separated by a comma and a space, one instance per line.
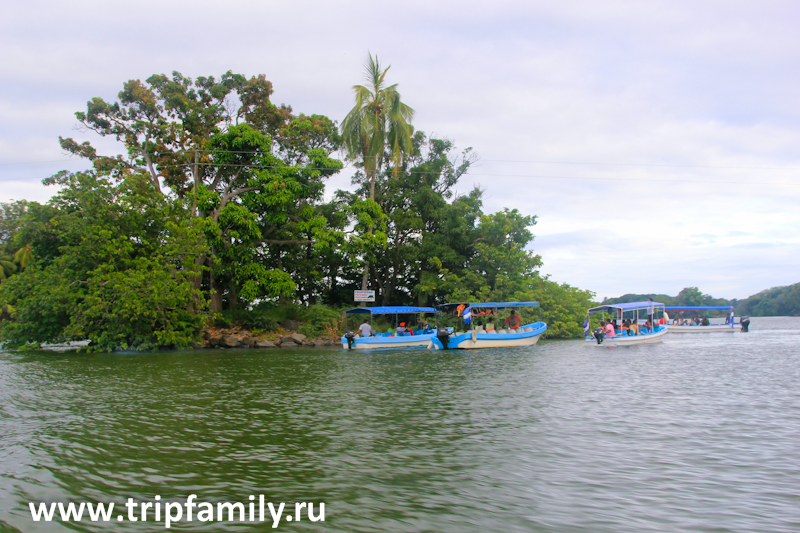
[777, 301]
[687, 296]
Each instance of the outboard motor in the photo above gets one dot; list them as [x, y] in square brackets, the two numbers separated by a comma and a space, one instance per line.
[351, 337]
[444, 337]
[745, 322]
[599, 335]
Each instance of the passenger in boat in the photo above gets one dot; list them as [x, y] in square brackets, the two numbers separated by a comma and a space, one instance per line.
[649, 326]
[609, 329]
[365, 329]
[489, 325]
[664, 319]
[616, 327]
[479, 326]
[634, 327]
[626, 329]
[513, 321]
[401, 330]
[706, 322]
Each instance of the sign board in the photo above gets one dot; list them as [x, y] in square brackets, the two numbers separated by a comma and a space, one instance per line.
[364, 296]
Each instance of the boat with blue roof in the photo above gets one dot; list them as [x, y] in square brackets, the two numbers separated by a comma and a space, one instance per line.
[406, 327]
[630, 323]
[683, 324]
[478, 326]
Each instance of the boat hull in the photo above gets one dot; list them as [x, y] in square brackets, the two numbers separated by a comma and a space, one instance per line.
[376, 343]
[716, 328]
[625, 340]
[474, 341]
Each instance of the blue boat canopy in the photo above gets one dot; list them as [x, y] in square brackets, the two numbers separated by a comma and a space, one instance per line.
[698, 307]
[630, 306]
[391, 310]
[497, 305]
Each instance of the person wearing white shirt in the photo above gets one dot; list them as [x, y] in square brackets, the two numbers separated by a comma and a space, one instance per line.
[365, 329]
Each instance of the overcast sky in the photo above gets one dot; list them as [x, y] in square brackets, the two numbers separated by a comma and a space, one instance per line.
[657, 142]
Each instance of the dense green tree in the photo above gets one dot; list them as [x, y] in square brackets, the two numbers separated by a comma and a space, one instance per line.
[690, 296]
[250, 168]
[122, 272]
[503, 269]
[427, 228]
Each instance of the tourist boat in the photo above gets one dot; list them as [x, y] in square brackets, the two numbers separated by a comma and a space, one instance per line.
[474, 337]
[421, 338]
[631, 310]
[711, 328]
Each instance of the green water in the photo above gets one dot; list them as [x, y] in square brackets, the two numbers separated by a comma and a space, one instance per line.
[695, 434]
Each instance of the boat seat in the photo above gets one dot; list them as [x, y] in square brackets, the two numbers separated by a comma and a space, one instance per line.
[502, 331]
[527, 329]
[491, 331]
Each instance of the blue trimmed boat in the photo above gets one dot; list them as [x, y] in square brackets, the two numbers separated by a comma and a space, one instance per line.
[620, 312]
[728, 327]
[420, 339]
[523, 335]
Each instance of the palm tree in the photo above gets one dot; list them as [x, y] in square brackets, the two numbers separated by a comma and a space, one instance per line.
[24, 256]
[7, 266]
[377, 121]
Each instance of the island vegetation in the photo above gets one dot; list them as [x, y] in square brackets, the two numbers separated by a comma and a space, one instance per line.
[214, 215]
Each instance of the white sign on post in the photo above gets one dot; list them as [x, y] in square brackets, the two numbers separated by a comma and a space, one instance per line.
[364, 296]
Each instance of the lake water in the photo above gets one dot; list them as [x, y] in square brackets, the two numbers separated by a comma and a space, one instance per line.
[700, 433]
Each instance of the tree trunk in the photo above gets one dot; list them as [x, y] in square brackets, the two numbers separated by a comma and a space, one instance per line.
[233, 298]
[197, 279]
[216, 293]
[216, 298]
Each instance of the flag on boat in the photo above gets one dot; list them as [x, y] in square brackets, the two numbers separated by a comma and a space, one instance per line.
[586, 326]
[466, 314]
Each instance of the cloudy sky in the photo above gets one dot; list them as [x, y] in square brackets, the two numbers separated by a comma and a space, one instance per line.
[658, 142]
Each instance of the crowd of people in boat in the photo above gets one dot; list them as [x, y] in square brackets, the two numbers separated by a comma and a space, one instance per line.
[628, 327]
[696, 321]
[402, 330]
[487, 324]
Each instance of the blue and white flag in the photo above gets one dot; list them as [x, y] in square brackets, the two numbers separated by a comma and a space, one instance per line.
[466, 314]
[586, 326]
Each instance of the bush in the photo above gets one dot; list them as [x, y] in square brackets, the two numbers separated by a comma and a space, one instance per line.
[321, 320]
[256, 319]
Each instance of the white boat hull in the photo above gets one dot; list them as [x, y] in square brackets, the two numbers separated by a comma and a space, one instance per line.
[474, 340]
[716, 328]
[469, 344]
[625, 340]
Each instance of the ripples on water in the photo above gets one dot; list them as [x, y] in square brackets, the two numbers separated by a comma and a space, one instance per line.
[700, 433]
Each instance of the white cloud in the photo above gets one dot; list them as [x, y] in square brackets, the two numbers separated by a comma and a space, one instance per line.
[680, 118]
